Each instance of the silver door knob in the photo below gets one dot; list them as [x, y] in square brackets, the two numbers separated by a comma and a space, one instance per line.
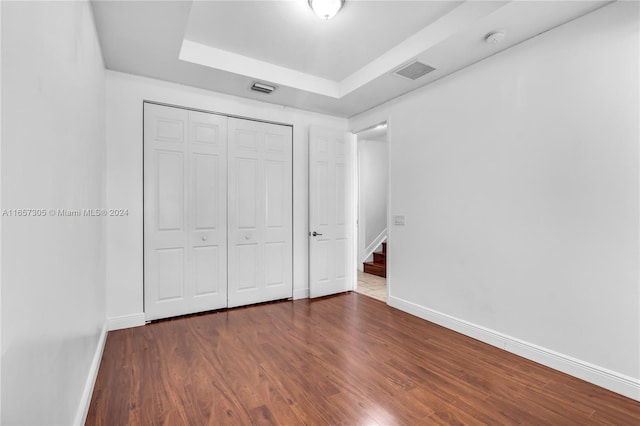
[204, 238]
[247, 237]
[315, 234]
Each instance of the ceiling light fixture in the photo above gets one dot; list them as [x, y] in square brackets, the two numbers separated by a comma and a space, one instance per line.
[326, 9]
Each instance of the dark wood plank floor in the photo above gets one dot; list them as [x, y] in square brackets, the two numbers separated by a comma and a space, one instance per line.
[347, 359]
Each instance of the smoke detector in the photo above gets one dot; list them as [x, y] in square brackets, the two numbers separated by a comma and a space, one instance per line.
[413, 70]
[495, 37]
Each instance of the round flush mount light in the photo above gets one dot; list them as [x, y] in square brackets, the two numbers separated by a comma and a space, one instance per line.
[495, 37]
[326, 9]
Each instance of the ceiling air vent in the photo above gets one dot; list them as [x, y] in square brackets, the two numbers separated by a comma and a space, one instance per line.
[414, 70]
[261, 87]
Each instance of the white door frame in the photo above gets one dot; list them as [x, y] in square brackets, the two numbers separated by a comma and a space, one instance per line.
[370, 124]
[365, 250]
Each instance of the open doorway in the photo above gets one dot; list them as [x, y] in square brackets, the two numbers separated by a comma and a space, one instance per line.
[372, 211]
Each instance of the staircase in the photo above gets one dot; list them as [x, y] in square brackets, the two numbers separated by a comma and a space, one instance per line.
[379, 265]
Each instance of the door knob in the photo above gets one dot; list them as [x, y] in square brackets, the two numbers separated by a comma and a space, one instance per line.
[204, 238]
[315, 234]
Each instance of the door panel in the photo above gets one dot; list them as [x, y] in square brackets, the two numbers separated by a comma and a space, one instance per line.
[246, 261]
[322, 262]
[170, 166]
[275, 273]
[184, 211]
[260, 212]
[206, 191]
[207, 211]
[206, 259]
[246, 192]
[170, 274]
[331, 251]
[165, 136]
[321, 197]
[169, 129]
[275, 194]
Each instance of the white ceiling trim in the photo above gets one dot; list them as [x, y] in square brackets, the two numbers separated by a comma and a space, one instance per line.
[208, 56]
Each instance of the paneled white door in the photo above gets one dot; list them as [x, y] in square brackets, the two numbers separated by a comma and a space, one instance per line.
[185, 211]
[331, 207]
[260, 212]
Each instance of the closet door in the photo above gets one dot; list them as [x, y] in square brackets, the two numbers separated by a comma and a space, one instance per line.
[260, 212]
[184, 211]
[208, 211]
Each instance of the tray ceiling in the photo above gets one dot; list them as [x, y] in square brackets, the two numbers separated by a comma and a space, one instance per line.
[341, 67]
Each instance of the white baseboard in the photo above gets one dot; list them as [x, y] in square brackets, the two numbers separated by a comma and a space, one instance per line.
[85, 401]
[611, 380]
[301, 293]
[126, 321]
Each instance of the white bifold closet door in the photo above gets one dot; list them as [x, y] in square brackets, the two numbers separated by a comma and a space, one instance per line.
[260, 212]
[217, 212]
[185, 228]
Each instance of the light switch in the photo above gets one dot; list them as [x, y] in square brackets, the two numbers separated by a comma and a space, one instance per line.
[398, 220]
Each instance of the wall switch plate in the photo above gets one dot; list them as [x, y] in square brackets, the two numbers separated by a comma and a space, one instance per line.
[398, 220]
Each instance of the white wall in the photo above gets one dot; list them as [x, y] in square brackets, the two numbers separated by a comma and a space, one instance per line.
[373, 179]
[53, 157]
[518, 177]
[1, 352]
[125, 94]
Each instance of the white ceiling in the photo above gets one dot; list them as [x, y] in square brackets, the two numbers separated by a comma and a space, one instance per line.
[340, 67]
[289, 34]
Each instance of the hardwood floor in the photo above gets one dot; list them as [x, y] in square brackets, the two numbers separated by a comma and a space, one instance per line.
[346, 359]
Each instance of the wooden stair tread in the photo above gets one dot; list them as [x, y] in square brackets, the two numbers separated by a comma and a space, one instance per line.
[379, 264]
[379, 257]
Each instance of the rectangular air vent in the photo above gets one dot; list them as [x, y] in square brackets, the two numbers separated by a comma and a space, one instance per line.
[414, 70]
[261, 87]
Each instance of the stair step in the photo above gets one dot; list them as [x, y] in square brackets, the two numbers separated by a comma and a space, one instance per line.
[379, 265]
[379, 257]
[379, 269]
